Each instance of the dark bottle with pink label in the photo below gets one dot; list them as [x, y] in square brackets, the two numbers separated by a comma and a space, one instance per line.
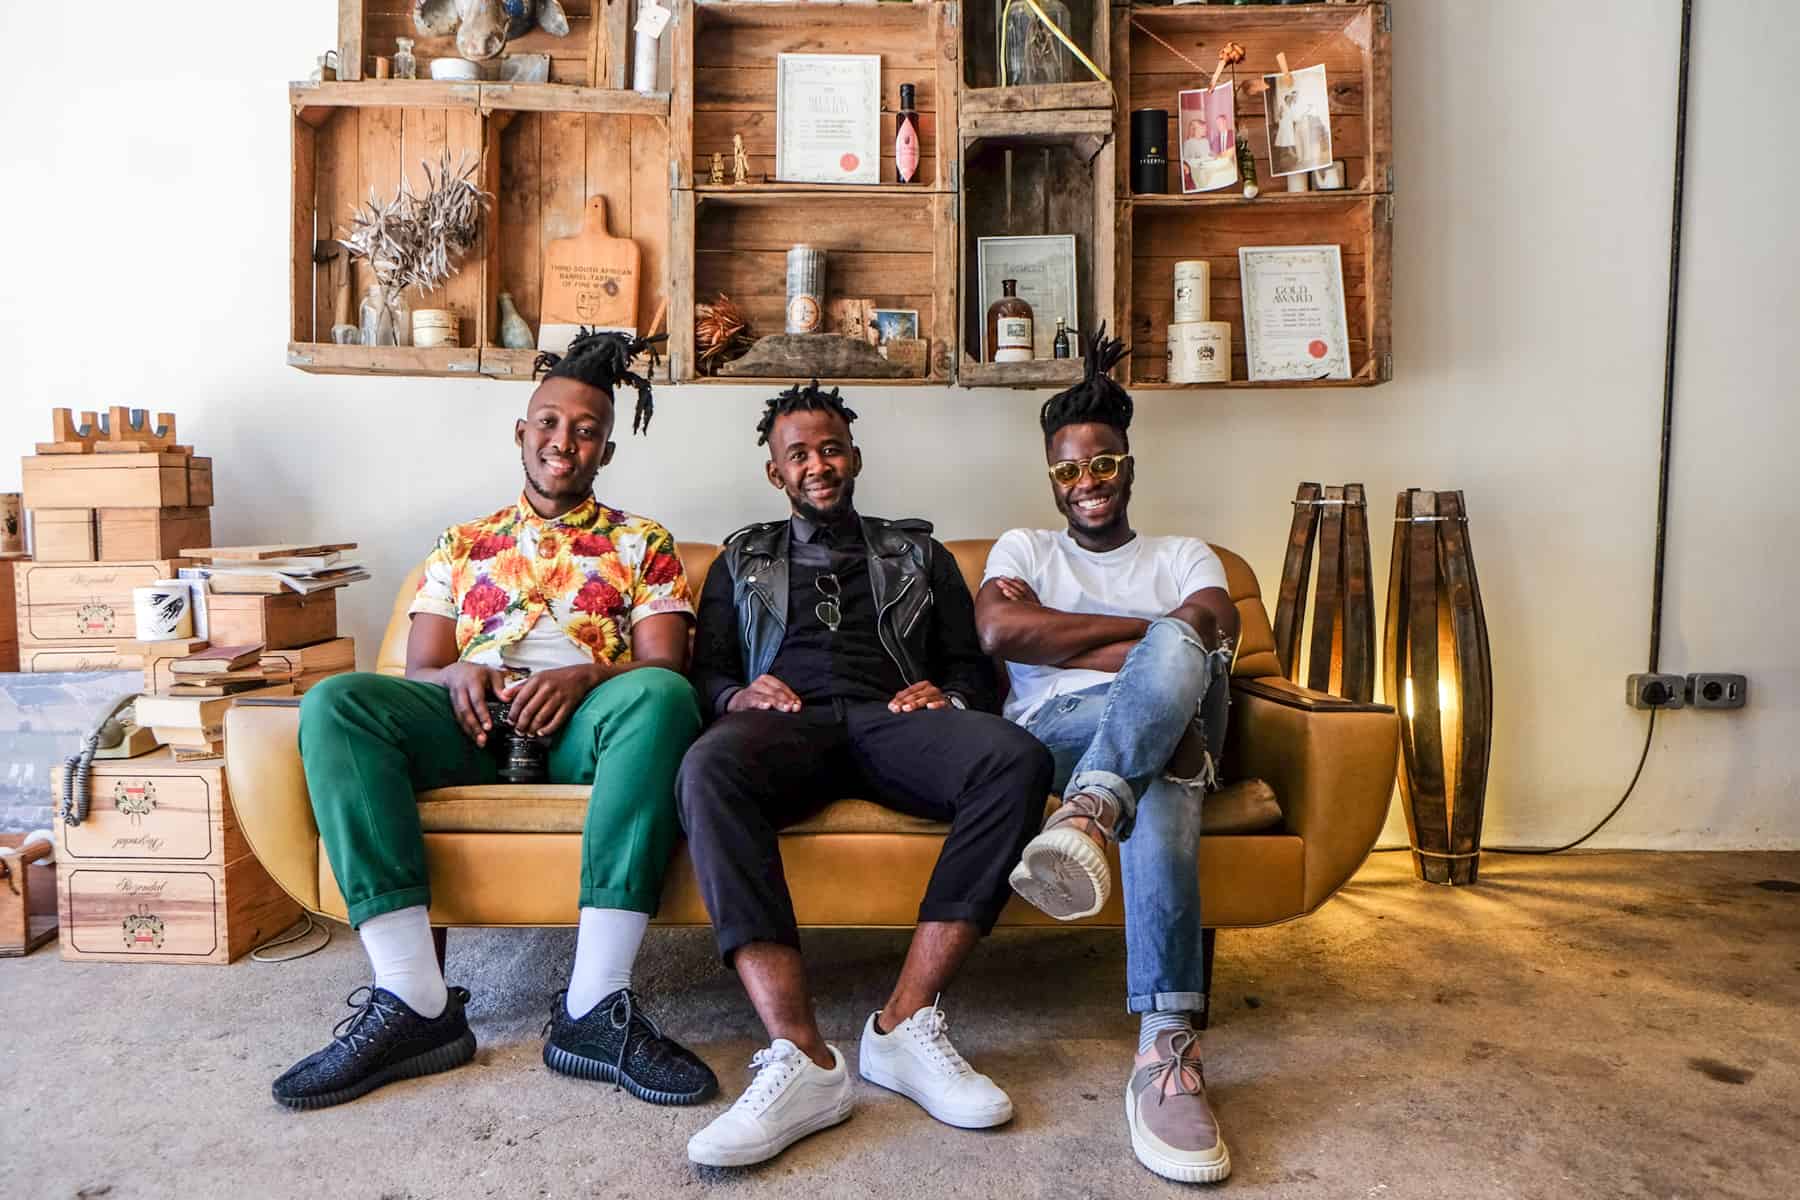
[906, 138]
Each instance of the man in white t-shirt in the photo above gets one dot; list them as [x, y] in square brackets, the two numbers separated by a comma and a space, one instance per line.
[1115, 644]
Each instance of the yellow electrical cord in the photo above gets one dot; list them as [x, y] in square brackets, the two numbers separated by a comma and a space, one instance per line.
[1060, 36]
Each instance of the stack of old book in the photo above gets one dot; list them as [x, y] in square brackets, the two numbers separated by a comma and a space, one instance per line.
[189, 683]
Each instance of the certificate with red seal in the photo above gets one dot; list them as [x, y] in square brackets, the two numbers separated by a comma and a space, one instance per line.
[828, 118]
[1294, 325]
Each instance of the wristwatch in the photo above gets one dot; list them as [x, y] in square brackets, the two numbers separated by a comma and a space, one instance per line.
[956, 701]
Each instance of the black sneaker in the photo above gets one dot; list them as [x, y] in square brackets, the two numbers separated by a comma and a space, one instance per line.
[616, 1043]
[383, 1040]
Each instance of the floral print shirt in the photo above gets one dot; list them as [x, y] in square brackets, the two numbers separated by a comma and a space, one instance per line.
[594, 571]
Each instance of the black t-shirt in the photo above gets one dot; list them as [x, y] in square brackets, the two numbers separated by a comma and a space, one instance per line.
[818, 664]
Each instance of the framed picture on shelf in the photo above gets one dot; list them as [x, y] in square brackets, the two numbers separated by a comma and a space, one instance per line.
[1044, 266]
[1208, 144]
[828, 118]
[1294, 324]
[888, 324]
[1297, 111]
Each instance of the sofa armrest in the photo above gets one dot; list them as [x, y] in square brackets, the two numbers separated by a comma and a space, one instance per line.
[1331, 762]
[268, 794]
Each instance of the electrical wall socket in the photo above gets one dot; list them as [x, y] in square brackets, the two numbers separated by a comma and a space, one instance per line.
[1655, 691]
[1717, 691]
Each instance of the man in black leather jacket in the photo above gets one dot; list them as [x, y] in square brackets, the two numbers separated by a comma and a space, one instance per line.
[837, 656]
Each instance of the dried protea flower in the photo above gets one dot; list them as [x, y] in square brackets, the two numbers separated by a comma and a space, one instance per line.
[1231, 54]
[721, 331]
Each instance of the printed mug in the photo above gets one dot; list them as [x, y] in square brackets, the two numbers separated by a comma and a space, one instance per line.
[164, 610]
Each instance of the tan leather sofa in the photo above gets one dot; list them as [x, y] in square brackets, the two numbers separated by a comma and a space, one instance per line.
[510, 855]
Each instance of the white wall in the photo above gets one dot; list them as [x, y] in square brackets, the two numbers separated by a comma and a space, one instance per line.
[146, 203]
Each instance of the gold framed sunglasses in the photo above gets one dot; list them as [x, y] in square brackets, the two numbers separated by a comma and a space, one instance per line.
[1102, 467]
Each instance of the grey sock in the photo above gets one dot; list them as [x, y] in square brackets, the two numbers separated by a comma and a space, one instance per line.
[1152, 1023]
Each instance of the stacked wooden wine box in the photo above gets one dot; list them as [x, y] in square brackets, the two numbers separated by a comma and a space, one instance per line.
[158, 869]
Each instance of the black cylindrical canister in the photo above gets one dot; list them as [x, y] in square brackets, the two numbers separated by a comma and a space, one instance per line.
[1150, 150]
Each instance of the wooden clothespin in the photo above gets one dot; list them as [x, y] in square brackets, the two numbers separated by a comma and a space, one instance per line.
[1284, 76]
[1230, 55]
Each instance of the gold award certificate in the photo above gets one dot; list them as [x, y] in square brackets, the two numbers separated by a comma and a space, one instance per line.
[828, 118]
[1294, 326]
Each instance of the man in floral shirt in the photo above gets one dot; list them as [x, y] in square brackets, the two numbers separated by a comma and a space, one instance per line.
[577, 615]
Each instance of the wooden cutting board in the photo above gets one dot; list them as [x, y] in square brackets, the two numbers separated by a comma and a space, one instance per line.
[590, 279]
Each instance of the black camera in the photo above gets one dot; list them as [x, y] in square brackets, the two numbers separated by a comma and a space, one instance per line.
[523, 758]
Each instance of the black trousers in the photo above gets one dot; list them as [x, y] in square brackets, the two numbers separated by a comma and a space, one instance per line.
[754, 772]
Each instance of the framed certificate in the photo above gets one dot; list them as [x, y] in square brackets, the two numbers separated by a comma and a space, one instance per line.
[1294, 326]
[828, 118]
[1044, 266]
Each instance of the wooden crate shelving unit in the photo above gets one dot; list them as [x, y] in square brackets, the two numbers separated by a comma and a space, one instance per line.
[1031, 174]
[1156, 231]
[547, 149]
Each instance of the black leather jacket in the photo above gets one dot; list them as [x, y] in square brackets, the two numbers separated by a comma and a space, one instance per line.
[926, 622]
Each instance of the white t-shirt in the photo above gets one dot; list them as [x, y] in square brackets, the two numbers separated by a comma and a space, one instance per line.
[1145, 578]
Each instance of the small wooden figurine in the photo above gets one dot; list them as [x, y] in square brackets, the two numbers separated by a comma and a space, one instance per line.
[718, 171]
[740, 162]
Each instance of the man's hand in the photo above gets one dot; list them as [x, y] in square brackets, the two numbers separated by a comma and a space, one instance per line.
[469, 685]
[543, 701]
[1016, 590]
[924, 694]
[764, 692]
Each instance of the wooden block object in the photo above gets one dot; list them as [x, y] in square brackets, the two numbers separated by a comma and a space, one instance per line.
[125, 534]
[153, 480]
[87, 605]
[131, 431]
[278, 622]
[68, 437]
[589, 279]
[64, 535]
[9, 620]
[27, 896]
[159, 870]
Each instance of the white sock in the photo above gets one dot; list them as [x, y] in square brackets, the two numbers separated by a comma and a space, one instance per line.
[605, 948]
[399, 947]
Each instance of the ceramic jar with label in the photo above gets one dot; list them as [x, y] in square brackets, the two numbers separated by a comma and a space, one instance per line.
[805, 289]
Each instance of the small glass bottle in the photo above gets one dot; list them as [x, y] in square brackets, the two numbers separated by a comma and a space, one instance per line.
[376, 321]
[1009, 326]
[1060, 347]
[1029, 52]
[401, 314]
[906, 138]
[405, 65]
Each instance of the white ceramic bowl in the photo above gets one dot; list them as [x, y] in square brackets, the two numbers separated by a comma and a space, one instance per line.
[454, 68]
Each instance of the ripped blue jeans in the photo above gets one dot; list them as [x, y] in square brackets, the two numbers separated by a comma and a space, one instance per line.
[1117, 739]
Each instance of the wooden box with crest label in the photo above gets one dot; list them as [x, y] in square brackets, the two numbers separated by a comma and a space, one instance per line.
[82, 604]
[158, 870]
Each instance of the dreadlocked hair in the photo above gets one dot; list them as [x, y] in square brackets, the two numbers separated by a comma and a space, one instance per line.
[1098, 397]
[603, 360]
[802, 398]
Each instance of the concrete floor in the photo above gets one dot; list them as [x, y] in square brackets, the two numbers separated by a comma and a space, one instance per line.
[1604, 1025]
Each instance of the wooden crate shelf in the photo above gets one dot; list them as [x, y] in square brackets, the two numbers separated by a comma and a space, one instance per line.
[546, 168]
[1351, 40]
[586, 57]
[894, 246]
[1031, 174]
[1090, 28]
[725, 57]
[342, 152]
[1161, 235]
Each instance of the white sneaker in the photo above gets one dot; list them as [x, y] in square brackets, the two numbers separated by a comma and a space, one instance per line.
[790, 1097]
[918, 1061]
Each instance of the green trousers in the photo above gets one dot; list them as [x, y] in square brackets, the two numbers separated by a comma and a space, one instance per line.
[369, 742]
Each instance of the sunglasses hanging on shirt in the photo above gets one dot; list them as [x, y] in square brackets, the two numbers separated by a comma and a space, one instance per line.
[829, 610]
